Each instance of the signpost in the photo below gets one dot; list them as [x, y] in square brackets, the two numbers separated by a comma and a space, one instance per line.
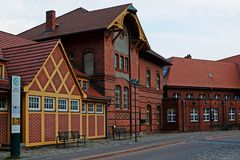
[15, 116]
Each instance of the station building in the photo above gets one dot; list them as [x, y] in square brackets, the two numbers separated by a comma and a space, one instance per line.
[52, 93]
[201, 95]
[110, 46]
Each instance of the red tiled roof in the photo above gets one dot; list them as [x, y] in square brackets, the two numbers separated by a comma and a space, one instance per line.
[80, 74]
[203, 73]
[93, 93]
[76, 21]
[8, 40]
[25, 61]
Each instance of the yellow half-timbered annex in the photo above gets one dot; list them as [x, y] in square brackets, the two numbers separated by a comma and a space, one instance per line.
[53, 99]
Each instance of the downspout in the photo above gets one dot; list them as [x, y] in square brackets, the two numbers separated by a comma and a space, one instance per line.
[106, 119]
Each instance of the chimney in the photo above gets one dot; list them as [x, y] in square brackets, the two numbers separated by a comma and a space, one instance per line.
[50, 20]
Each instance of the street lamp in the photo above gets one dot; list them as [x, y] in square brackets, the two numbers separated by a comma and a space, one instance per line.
[135, 83]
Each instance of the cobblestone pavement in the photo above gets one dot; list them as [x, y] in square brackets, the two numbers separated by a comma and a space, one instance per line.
[216, 150]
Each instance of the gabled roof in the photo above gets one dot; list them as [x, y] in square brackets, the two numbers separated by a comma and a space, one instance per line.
[25, 61]
[8, 40]
[76, 21]
[155, 57]
[186, 72]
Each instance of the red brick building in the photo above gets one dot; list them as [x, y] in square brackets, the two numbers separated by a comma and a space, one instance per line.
[201, 94]
[52, 93]
[109, 45]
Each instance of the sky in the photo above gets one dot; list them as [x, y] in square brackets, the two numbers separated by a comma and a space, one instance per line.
[206, 29]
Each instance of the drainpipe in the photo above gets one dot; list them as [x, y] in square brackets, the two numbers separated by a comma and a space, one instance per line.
[106, 119]
[130, 77]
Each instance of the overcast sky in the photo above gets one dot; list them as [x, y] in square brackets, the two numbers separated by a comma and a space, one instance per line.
[208, 29]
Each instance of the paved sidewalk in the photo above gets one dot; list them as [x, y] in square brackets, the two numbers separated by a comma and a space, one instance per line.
[108, 145]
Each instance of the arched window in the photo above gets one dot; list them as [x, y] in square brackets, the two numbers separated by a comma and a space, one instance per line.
[158, 81]
[148, 78]
[89, 63]
[149, 115]
[116, 61]
[118, 98]
[125, 97]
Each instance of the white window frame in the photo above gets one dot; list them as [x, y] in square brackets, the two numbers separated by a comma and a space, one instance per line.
[84, 105]
[215, 114]
[92, 107]
[97, 105]
[63, 110]
[84, 85]
[72, 109]
[125, 98]
[39, 103]
[232, 115]
[3, 104]
[171, 116]
[49, 109]
[206, 114]
[194, 115]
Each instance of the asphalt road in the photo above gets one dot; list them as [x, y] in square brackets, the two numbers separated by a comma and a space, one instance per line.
[220, 147]
[217, 145]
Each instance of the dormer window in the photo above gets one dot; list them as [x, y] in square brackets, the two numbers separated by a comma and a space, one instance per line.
[84, 85]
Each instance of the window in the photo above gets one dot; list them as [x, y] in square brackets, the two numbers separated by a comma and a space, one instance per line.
[1, 71]
[227, 97]
[3, 103]
[83, 107]
[48, 104]
[89, 64]
[126, 64]
[158, 114]
[75, 105]
[62, 105]
[149, 115]
[189, 96]
[171, 115]
[148, 78]
[99, 108]
[194, 115]
[202, 96]
[116, 61]
[118, 97]
[90, 108]
[125, 98]
[158, 81]
[215, 114]
[176, 95]
[84, 85]
[232, 114]
[121, 62]
[217, 97]
[206, 114]
[236, 97]
[34, 103]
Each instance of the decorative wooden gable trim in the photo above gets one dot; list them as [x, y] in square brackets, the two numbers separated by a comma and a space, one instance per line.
[56, 75]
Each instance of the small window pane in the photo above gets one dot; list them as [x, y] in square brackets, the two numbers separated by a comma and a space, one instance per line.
[126, 64]
[121, 62]
[90, 108]
[99, 108]
[75, 105]
[34, 103]
[83, 107]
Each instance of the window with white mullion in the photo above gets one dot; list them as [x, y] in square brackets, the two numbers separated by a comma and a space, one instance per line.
[99, 108]
[194, 115]
[48, 104]
[62, 104]
[232, 114]
[206, 114]
[90, 108]
[75, 105]
[171, 114]
[215, 114]
[34, 103]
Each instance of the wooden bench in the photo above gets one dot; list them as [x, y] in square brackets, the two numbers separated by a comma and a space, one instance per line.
[69, 137]
[120, 132]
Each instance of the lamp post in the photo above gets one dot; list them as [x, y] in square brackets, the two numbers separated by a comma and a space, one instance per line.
[135, 83]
